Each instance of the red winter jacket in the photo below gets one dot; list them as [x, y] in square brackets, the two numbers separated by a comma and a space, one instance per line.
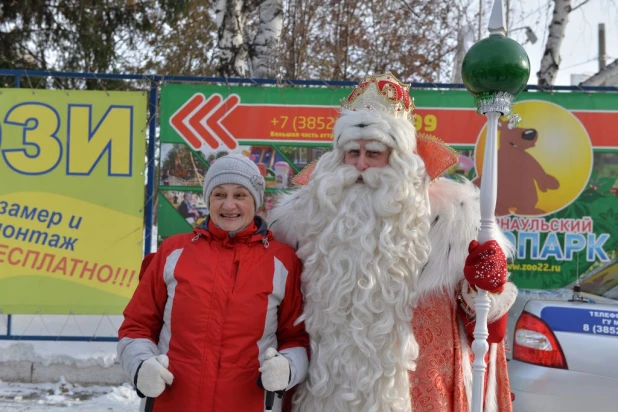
[214, 304]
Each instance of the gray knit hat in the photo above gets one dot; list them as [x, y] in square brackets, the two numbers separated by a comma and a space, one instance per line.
[238, 169]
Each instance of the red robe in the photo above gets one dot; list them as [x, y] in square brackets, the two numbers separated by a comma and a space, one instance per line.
[438, 382]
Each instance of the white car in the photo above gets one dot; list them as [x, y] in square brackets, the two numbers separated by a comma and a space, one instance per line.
[562, 347]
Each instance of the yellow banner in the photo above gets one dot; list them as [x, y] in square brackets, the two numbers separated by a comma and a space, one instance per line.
[71, 200]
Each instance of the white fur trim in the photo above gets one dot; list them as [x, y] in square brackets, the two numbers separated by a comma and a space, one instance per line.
[455, 220]
[491, 397]
[500, 303]
[396, 133]
[283, 219]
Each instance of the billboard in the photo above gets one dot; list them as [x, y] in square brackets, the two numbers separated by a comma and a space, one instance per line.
[557, 168]
[71, 200]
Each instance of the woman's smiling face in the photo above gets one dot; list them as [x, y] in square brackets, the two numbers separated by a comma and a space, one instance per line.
[232, 207]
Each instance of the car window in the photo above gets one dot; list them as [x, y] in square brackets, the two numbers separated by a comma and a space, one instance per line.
[602, 281]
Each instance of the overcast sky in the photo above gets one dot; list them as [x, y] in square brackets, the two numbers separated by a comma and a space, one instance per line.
[579, 50]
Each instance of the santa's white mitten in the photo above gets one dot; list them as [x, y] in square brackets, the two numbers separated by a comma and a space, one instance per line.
[153, 375]
[275, 371]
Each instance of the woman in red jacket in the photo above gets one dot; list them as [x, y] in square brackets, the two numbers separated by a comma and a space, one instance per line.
[217, 309]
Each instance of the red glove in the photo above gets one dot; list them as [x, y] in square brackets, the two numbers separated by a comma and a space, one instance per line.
[486, 266]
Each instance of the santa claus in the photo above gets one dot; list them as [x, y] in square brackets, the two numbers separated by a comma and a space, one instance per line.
[390, 273]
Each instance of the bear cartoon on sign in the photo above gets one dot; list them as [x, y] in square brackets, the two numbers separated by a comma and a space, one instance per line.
[519, 173]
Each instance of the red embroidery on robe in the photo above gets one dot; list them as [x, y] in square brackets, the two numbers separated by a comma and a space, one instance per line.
[438, 384]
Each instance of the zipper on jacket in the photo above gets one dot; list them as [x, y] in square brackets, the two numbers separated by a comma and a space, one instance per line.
[196, 237]
[265, 242]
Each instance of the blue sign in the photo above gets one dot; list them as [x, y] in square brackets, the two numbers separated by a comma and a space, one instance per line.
[579, 320]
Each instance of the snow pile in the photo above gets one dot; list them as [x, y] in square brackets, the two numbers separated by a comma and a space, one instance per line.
[86, 363]
[47, 354]
[64, 396]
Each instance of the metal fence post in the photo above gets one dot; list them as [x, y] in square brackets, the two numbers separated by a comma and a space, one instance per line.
[9, 317]
[153, 99]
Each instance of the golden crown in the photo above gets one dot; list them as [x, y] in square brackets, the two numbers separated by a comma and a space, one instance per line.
[382, 92]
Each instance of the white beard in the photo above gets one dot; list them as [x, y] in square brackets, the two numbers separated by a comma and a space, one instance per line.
[362, 246]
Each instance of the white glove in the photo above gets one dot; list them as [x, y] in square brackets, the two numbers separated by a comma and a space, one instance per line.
[275, 371]
[153, 375]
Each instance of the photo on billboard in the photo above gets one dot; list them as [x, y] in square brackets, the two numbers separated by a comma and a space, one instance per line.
[189, 205]
[181, 166]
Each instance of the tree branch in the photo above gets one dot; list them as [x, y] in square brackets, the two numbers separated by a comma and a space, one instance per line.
[579, 5]
[412, 10]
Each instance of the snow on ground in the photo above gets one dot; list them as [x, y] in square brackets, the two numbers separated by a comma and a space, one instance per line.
[81, 354]
[64, 396]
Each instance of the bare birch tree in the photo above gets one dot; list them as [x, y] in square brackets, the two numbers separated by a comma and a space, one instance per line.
[551, 57]
[263, 51]
[550, 63]
[232, 50]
